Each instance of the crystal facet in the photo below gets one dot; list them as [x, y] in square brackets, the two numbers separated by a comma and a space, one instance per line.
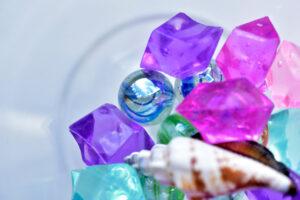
[267, 194]
[249, 51]
[146, 96]
[173, 126]
[227, 111]
[211, 74]
[106, 135]
[283, 79]
[106, 182]
[284, 139]
[181, 47]
[153, 190]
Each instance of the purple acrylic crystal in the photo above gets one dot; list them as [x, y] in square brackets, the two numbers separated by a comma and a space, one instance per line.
[181, 47]
[267, 194]
[106, 135]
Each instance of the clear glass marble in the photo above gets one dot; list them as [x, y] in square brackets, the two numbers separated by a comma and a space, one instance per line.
[211, 74]
[146, 96]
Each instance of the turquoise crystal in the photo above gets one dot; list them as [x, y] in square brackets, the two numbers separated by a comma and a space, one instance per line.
[239, 196]
[153, 190]
[284, 137]
[107, 182]
[236, 196]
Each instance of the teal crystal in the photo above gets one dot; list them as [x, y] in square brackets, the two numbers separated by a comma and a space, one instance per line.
[239, 196]
[107, 182]
[153, 190]
[225, 197]
[284, 137]
[235, 196]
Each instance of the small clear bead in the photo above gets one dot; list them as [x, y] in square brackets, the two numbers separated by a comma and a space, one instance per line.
[211, 74]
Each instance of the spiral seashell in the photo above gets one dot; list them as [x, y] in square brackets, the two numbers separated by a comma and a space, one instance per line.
[203, 170]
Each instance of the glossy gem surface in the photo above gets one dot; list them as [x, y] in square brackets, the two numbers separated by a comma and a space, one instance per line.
[249, 51]
[173, 126]
[146, 96]
[227, 111]
[267, 194]
[106, 135]
[284, 137]
[153, 190]
[107, 182]
[181, 47]
[283, 79]
[211, 74]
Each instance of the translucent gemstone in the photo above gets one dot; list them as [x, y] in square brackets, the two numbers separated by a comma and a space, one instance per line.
[225, 197]
[106, 182]
[239, 196]
[211, 74]
[227, 111]
[249, 51]
[284, 137]
[235, 196]
[106, 135]
[146, 96]
[267, 194]
[181, 47]
[173, 126]
[153, 190]
[283, 80]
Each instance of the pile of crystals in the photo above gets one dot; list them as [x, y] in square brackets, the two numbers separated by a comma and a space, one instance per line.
[222, 101]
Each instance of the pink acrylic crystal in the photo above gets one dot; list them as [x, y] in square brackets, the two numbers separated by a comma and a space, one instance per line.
[284, 77]
[227, 111]
[249, 51]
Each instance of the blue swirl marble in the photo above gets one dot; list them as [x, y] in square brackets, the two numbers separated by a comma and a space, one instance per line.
[211, 74]
[146, 96]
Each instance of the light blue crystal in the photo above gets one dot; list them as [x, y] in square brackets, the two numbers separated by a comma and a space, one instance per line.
[106, 182]
[211, 74]
[239, 196]
[225, 197]
[235, 196]
[284, 137]
[146, 96]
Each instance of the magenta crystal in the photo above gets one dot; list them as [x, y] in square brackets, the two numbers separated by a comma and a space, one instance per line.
[181, 47]
[249, 51]
[268, 194]
[227, 111]
[106, 135]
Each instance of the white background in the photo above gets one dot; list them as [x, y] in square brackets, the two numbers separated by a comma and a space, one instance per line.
[41, 42]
